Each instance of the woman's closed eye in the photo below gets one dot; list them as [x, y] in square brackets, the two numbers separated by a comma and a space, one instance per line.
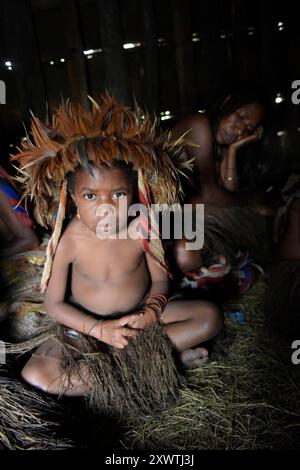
[251, 129]
[245, 119]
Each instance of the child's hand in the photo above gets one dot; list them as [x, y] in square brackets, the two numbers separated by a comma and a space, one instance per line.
[115, 333]
[144, 320]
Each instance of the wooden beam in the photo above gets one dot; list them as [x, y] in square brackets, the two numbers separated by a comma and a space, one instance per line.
[184, 54]
[115, 72]
[150, 58]
[19, 45]
[76, 66]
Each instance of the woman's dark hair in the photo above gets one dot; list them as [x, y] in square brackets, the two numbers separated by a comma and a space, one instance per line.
[230, 100]
[227, 103]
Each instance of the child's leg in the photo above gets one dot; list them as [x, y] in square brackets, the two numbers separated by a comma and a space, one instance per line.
[188, 323]
[43, 371]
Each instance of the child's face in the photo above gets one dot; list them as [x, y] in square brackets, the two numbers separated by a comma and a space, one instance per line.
[102, 200]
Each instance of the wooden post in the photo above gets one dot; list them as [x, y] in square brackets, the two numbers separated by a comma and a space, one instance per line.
[76, 67]
[115, 72]
[245, 63]
[184, 55]
[150, 56]
[18, 45]
[266, 45]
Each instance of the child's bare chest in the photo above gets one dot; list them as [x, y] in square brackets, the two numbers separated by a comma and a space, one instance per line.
[101, 261]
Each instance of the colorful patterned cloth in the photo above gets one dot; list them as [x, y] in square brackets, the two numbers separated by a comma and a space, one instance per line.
[200, 278]
[246, 272]
[8, 187]
[22, 303]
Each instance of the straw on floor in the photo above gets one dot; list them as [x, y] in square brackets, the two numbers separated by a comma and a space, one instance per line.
[29, 419]
[246, 397]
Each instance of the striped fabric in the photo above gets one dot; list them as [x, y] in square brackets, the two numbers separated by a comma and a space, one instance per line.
[149, 227]
[53, 242]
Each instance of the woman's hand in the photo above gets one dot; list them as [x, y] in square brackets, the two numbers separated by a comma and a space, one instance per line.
[257, 135]
[115, 332]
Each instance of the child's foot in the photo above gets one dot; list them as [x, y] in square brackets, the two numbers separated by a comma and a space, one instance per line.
[193, 358]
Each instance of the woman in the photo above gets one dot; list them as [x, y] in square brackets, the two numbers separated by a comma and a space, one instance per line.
[216, 140]
[218, 137]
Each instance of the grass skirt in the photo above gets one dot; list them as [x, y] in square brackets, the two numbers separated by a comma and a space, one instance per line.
[137, 380]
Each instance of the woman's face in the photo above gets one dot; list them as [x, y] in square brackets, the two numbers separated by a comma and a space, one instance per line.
[241, 123]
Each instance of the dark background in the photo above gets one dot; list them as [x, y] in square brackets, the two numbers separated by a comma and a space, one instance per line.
[187, 52]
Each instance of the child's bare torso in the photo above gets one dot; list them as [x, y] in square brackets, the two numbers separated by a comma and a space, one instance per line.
[108, 276]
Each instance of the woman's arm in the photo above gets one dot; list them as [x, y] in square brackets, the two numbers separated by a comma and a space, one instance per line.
[203, 185]
[228, 168]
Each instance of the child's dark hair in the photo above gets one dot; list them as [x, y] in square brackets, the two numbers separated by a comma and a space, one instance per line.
[127, 167]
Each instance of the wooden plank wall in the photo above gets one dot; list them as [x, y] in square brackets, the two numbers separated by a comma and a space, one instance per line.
[186, 53]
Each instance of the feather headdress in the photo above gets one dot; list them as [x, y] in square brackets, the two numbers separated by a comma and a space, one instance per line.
[107, 132]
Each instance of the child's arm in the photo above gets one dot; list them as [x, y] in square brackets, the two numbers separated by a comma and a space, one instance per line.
[159, 278]
[112, 332]
[156, 298]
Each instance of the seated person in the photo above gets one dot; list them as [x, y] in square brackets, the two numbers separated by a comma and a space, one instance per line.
[218, 136]
[118, 288]
[283, 294]
[16, 228]
[260, 175]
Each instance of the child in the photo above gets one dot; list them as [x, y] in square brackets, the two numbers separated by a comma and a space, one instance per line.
[119, 284]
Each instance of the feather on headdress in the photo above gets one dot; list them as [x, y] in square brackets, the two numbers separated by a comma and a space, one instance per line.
[106, 133]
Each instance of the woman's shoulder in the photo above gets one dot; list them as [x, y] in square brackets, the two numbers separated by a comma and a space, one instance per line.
[197, 119]
[194, 127]
[193, 121]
